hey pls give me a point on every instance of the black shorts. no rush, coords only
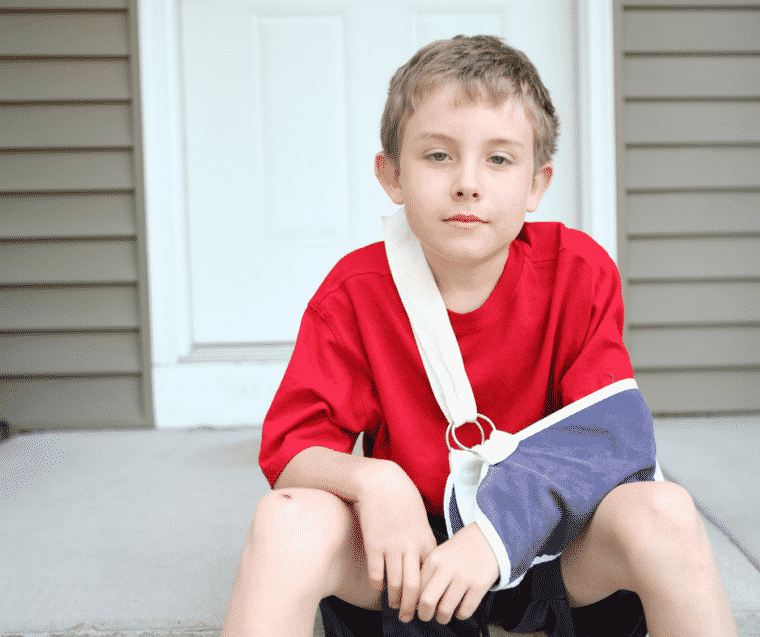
(538, 603)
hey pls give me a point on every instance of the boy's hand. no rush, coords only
(397, 536)
(458, 573)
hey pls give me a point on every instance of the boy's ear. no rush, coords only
(541, 181)
(388, 176)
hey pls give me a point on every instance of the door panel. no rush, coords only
(282, 113)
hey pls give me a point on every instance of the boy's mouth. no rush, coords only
(465, 218)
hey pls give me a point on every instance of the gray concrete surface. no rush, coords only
(121, 531)
(139, 533)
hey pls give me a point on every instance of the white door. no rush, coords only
(270, 180)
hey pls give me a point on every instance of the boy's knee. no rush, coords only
(667, 506)
(672, 506)
(657, 517)
(305, 519)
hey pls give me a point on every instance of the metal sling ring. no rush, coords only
(451, 429)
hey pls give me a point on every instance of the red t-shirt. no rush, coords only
(549, 334)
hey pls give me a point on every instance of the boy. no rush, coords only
(468, 133)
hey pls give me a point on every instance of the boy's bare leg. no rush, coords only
(303, 545)
(648, 537)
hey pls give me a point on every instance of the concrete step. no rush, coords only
(139, 533)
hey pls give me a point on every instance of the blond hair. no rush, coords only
(482, 66)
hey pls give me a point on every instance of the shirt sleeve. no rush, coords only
(326, 396)
(595, 303)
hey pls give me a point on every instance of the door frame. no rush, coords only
(181, 368)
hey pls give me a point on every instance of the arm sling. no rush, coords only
(530, 493)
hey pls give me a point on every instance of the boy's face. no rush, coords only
(466, 178)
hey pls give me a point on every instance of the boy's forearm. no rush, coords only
(343, 474)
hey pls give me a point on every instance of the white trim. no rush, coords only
(596, 97)
(193, 384)
(239, 353)
(214, 394)
(168, 263)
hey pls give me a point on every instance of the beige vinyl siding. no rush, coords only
(688, 91)
(73, 311)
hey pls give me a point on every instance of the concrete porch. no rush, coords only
(139, 533)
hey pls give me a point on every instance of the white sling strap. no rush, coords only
(443, 363)
(431, 327)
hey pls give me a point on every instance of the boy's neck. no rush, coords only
(466, 289)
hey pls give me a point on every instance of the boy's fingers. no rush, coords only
(427, 570)
(449, 602)
(394, 573)
(432, 590)
(469, 604)
(410, 589)
(375, 570)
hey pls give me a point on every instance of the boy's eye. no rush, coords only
(440, 156)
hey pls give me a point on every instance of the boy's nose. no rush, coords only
(465, 184)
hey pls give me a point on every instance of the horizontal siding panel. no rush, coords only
(63, 34)
(669, 168)
(28, 354)
(64, 80)
(68, 262)
(46, 216)
(692, 213)
(691, 31)
(68, 308)
(64, 4)
(694, 258)
(72, 402)
(652, 77)
(699, 302)
(691, 122)
(59, 126)
(695, 347)
(676, 392)
(32, 171)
